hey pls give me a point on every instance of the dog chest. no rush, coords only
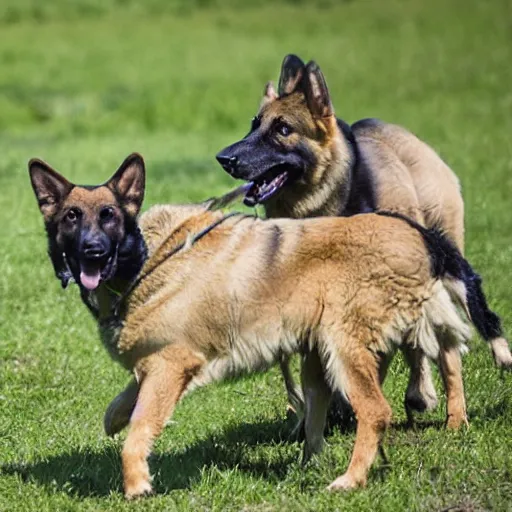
(110, 330)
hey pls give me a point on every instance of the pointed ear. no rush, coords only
(269, 95)
(292, 72)
(317, 94)
(49, 186)
(128, 183)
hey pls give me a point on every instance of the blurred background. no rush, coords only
(84, 83)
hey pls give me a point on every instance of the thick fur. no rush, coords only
(447, 260)
(343, 292)
(336, 169)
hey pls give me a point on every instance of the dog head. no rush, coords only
(291, 140)
(92, 230)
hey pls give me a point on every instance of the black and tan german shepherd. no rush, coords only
(302, 161)
(92, 231)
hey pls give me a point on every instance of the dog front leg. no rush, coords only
(317, 396)
(117, 415)
(163, 379)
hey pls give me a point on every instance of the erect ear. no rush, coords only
(49, 186)
(317, 94)
(292, 71)
(269, 94)
(128, 183)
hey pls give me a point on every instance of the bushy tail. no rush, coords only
(486, 321)
(448, 261)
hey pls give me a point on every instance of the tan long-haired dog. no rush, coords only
(187, 296)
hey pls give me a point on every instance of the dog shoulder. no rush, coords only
(159, 221)
(154, 223)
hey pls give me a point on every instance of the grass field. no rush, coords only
(84, 83)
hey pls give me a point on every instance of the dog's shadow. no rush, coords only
(89, 472)
(97, 472)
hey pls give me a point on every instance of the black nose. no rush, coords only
(229, 163)
(94, 250)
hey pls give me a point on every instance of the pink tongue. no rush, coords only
(90, 278)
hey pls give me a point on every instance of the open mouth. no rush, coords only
(92, 272)
(269, 184)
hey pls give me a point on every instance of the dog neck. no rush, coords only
(169, 223)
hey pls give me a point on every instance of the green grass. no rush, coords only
(82, 84)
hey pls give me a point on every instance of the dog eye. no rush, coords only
(73, 215)
(107, 213)
(284, 129)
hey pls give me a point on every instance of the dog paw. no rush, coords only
(457, 422)
(138, 490)
(345, 482)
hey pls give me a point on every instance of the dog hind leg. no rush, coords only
(450, 366)
(372, 411)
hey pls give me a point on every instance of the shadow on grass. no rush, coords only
(87, 473)
(418, 426)
(489, 412)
